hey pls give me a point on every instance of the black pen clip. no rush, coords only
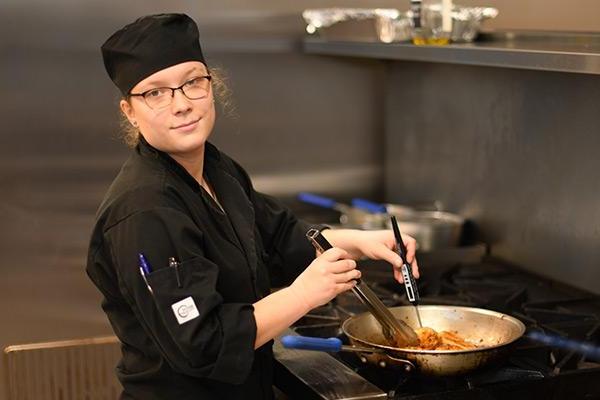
(174, 264)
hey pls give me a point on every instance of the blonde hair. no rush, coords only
(222, 95)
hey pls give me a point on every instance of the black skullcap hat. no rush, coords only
(148, 45)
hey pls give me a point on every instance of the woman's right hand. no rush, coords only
(328, 275)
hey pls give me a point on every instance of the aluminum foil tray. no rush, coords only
(387, 25)
(354, 24)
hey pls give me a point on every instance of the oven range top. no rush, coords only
(464, 277)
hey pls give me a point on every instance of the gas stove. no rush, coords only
(467, 278)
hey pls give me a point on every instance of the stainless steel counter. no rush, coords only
(578, 53)
(305, 374)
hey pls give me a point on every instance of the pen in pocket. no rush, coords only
(174, 264)
(144, 269)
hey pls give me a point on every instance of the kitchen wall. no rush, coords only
(291, 111)
(60, 108)
(514, 151)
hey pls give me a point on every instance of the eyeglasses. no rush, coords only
(161, 97)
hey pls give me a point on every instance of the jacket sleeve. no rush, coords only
(283, 234)
(210, 339)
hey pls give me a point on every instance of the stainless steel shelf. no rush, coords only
(576, 53)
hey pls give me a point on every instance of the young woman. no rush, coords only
(185, 251)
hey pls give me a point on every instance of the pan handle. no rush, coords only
(317, 200)
(590, 350)
(331, 345)
(334, 345)
(408, 366)
(311, 343)
(370, 206)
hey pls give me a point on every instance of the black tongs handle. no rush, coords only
(410, 284)
(318, 240)
(320, 243)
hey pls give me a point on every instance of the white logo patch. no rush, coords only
(185, 310)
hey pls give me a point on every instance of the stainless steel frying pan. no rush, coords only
(491, 331)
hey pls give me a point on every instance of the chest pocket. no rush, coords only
(194, 278)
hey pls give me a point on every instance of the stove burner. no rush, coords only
(534, 370)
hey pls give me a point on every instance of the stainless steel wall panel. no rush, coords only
(515, 151)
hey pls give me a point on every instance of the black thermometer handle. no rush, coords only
(410, 285)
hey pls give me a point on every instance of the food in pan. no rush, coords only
(429, 339)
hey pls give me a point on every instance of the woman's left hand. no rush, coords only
(376, 245)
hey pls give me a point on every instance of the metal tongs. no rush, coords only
(410, 285)
(397, 332)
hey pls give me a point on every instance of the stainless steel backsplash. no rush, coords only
(515, 151)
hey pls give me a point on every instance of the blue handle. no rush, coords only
(370, 206)
(311, 343)
(590, 350)
(317, 200)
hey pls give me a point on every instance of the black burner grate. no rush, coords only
(533, 370)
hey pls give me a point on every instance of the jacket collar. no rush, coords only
(211, 156)
(239, 212)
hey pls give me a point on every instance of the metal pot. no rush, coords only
(431, 229)
(492, 331)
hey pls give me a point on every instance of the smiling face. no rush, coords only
(182, 127)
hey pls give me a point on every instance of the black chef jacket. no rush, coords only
(227, 261)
